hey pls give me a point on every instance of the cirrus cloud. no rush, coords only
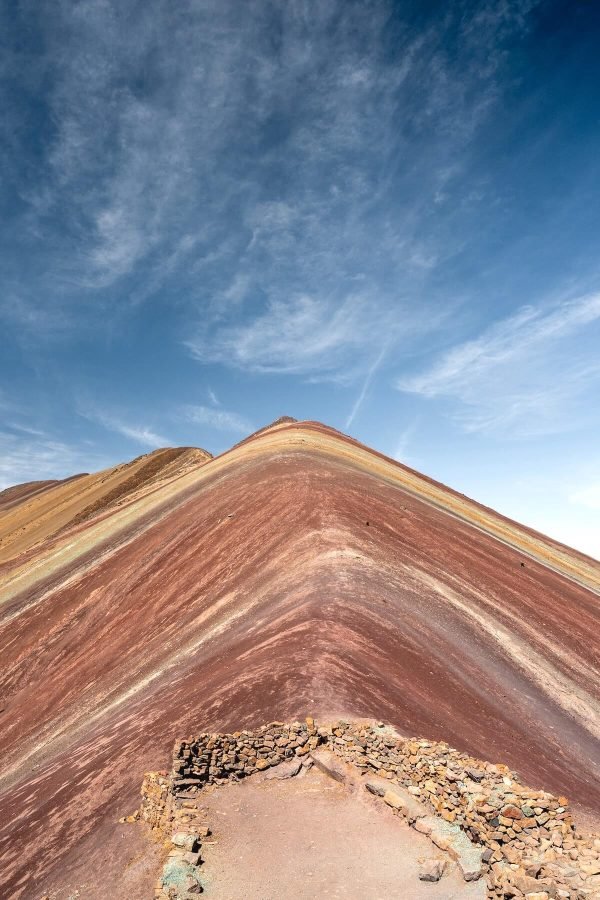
(531, 373)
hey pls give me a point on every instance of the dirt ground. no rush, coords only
(311, 837)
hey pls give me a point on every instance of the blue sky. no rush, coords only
(385, 216)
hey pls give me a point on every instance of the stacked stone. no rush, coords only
(214, 758)
(172, 803)
(156, 802)
(531, 845)
(180, 877)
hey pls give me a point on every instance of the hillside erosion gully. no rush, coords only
(515, 841)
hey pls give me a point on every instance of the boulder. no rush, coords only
(184, 840)
(329, 764)
(392, 799)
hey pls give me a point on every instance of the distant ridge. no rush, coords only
(36, 511)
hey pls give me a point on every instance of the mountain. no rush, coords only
(298, 573)
(33, 512)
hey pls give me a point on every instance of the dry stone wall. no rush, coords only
(212, 758)
(523, 841)
(157, 802)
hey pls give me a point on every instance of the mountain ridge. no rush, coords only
(297, 573)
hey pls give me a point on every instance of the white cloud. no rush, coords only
(26, 429)
(141, 434)
(524, 374)
(314, 336)
(334, 262)
(236, 292)
(213, 397)
(220, 419)
(304, 334)
(273, 149)
(404, 439)
(522, 333)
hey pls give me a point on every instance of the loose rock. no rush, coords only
(431, 870)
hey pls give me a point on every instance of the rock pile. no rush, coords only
(527, 844)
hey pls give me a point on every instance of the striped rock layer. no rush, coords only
(299, 573)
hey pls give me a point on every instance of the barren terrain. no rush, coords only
(299, 573)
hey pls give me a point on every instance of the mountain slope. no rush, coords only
(298, 573)
(33, 512)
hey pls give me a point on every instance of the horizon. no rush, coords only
(381, 216)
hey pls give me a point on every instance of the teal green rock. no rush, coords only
(176, 873)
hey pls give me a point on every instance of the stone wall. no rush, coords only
(212, 758)
(529, 840)
(157, 802)
(527, 843)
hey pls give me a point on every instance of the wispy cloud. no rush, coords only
(365, 386)
(527, 374)
(219, 419)
(520, 334)
(213, 397)
(336, 261)
(134, 431)
(26, 429)
(248, 156)
(300, 335)
(141, 434)
(404, 439)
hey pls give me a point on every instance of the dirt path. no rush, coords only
(310, 837)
